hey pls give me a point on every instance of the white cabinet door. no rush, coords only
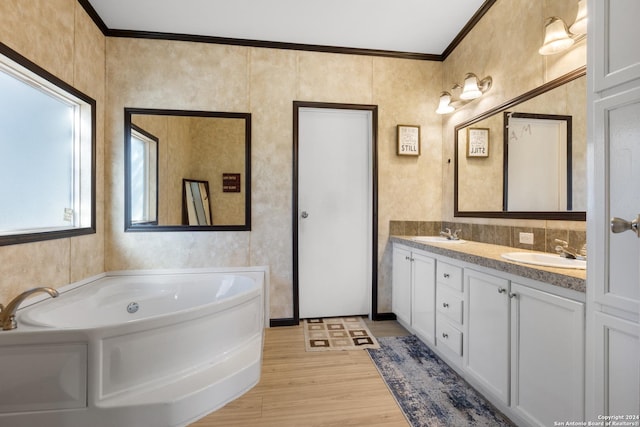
(614, 38)
(401, 287)
(423, 316)
(617, 366)
(547, 356)
(486, 350)
(617, 123)
(613, 278)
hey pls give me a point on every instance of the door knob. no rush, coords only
(304, 214)
(618, 225)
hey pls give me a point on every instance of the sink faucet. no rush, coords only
(564, 250)
(8, 313)
(449, 235)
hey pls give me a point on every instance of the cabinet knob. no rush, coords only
(445, 305)
(501, 290)
(513, 295)
(445, 335)
(446, 275)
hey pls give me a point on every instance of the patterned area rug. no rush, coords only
(429, 392)
(338, 333)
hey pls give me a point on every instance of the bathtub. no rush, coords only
(138, 348)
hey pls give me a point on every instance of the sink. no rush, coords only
(435, 239)
(545, 260)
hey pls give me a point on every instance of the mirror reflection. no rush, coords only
(196, 209)
(168, 152)
(547, 129)
(531, 140)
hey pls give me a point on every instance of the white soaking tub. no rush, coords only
(134, 348)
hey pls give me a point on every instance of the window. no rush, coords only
(46, 154)
(144, 177)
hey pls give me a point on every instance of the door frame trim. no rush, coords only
(297, 105)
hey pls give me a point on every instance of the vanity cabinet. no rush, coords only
(486, 359)
(423, 316)
(413, 291)
(401, 288)
(449, 311)
(525, 348)
(547, 356)
(520, 342)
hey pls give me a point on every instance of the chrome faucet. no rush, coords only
(8, 313)
(564, 250)
(449, 235)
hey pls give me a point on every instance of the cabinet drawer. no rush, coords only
(449, 275)
(449, 304)
(448, 336)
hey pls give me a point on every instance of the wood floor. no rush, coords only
(301, 389)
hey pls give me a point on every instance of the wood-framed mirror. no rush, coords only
(194, 146)
(481, 183)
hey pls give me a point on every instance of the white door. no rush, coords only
(334, 211)
(613, 275)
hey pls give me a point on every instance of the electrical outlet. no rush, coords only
(526, 238)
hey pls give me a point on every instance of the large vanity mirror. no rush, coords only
(527, 157)
(187, 170)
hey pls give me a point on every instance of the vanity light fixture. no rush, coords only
(472, 88)
(445, 107)
(557, 37)
(580, 24)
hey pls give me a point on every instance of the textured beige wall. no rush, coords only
(59, 37)
(265, 82)
(218, 147)
(505, 45)
(480, 185)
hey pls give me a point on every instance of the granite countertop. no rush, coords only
(488, 255)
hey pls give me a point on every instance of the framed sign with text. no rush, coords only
(408, 140)
(477, 142)
(231, 183)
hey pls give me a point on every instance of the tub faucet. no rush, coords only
(8, 313)
(564, 250)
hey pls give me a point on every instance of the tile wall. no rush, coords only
(504, 235)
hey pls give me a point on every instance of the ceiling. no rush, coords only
(410, 26)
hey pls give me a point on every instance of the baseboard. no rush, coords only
(288, 321)
(383, 316)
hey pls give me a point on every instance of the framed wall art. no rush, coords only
(408, 140)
